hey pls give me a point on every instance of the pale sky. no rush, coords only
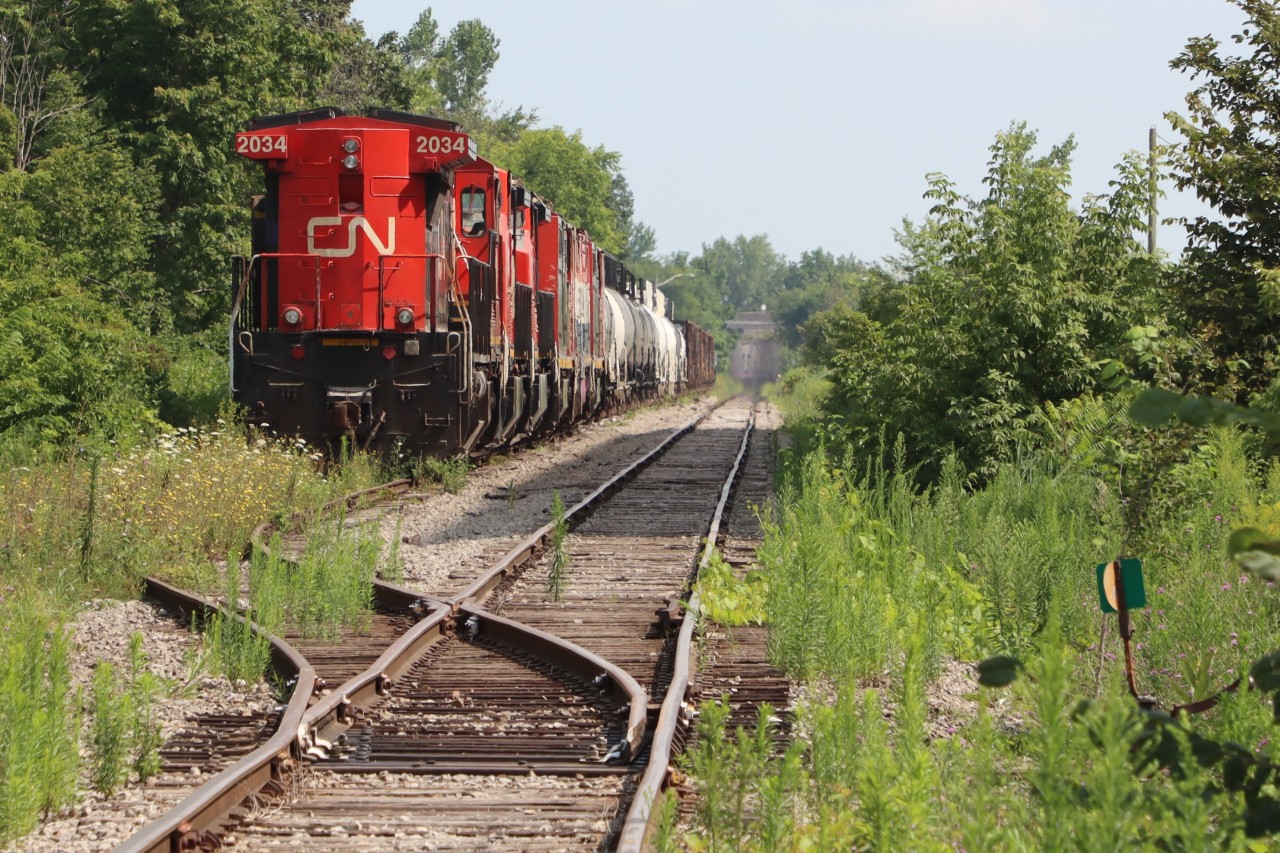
(816, 121)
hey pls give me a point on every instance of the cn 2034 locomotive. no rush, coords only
(403, 291)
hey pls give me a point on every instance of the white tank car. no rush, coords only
(668, 343)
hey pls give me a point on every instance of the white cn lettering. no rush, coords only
(387, 248)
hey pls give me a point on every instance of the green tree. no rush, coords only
(97, 214)
(368, 75)
(176, 80)
(462, 68)
(818, 282)
(1229, 159)
(747, 270)
(577, 180)
(1007, 302)
(447, 77)
(35, 86)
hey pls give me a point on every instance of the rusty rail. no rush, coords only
(312, 731)
(638, 826)
(490, 580)
(208, 805)
(577, 660)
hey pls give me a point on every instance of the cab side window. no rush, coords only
(473, 224)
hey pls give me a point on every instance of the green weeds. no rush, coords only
(873, 587)
(322, 592)
(83, 526)
(39, 756)
(144, 732)
(728, 599)
(110, 737)
(450, 474)
(558, 568)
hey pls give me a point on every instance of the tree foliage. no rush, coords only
(1006, 302)
(747, 270)
(1229, 159)
(579, 181)
(175, 81)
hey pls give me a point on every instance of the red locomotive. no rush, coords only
(403, 291)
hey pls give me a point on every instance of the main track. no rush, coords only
(505, 717)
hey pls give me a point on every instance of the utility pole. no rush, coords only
(1154, 189)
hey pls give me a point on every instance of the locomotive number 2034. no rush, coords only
(442, 145)
(246, 144)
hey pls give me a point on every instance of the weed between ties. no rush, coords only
(558, 568)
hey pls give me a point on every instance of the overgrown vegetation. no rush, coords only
(558, 562)
(1000, 361)
(450, 474)
(39, 717)
(874, 588)
(78, 525)
(102, 521)
(728, 599)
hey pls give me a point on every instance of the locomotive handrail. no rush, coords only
(237, 305)
(465, 392)
(248, 277)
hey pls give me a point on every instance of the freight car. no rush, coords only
(404, 292)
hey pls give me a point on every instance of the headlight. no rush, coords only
(351, 161)
(405, 316)
(292, 316)
(351, 146)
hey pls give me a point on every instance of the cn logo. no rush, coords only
(387, 248)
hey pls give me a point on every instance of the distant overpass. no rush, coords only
(757, 356)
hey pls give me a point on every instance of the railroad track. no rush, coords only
(503, 717)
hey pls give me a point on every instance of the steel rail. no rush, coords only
(605, 676)
(204, 808)
(326, 720)
(337, 712)
(484, 586)
(311, 731)
(638, 825)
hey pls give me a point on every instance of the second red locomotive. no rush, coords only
(403, 291)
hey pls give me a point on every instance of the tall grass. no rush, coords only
(449, 474)
(327, 589)
(240, 653)
(872, 581)
(866, 776)
(99, 523)
(87, 523)
(331, 587)
(39, 756)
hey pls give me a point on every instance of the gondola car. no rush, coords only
(404, 292)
